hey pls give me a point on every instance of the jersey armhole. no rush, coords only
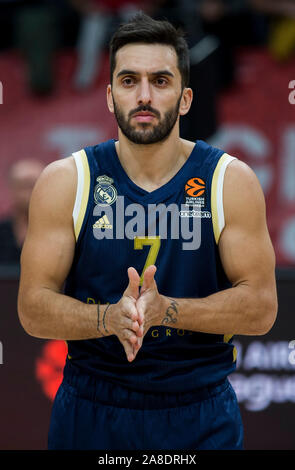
(82, 193)
(217, 209)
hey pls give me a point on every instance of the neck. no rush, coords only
(151, 166)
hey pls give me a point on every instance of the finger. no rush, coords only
(130, 311)
(140, 307)
(139, 332)
(132, 289)
(129, 336)
(137, 347)
(129, 350)
(132, 325)
(139, 342)
(148, 278)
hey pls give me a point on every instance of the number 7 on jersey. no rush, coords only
(155, 243)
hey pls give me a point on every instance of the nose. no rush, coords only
(144, 92)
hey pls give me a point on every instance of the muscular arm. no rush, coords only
(249, 307)
(47, 256)
(46, 259)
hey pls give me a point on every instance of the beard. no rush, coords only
(148, 132)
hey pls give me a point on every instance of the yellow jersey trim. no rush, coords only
(217, 195)
(226, 339)
(83, 188)
(217, 210)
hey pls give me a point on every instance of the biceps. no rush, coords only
(245, 247)
(47, 257)
(48, 251)
(247, 256)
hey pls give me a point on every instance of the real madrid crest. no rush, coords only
(104, 191)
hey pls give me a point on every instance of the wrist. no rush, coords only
(103, 317)
(169, 312)
(164, 306)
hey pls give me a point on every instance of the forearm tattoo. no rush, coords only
(171, 314)
(104, 318)
(103, 321)
(98, 319)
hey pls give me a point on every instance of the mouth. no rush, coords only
(144, 116)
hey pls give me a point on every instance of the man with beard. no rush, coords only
(148, 317)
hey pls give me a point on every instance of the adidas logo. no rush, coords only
(103, 222)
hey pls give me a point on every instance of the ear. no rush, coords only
(110, 102)
(186, 101)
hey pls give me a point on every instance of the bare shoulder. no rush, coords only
(55, 189)
(239, 172)
(60, 171)
(242, 193)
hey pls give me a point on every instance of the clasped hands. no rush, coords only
(137, 310)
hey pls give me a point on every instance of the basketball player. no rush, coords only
(147, 254)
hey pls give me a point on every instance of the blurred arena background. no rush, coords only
(53, 77)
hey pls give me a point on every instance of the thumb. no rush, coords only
(132, 289)
(148, 278)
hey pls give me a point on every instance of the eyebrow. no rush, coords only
(157, 73)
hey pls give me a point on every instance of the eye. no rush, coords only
(128, 81)
(161, 81)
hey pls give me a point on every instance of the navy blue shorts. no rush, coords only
(89, 414)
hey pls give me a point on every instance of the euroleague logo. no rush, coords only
(195, 187)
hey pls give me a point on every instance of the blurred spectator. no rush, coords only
(66, 21)
(282, 28)
(40, 28)
(36, 35)
(21, 179)
(99, 17)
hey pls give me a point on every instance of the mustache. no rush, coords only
(145, 108)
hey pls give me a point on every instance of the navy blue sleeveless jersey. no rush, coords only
(177, 228)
